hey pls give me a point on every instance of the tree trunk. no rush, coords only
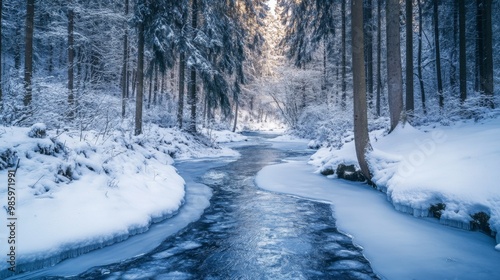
(410, 107)
(369, 50)
(379, 54)
(236, 115)
(394, 75)
(124, 81)
(180, 108)
(487, 79)
(453, 52)
(140, 79)
(420, 77)
(438, 55)
(155, 87)
(28, 52)
(192, 84)
(343, 66)
(479, 45)
(71, 55)
(361, 139)
(463, 54)
(1, 53)
(150, 89)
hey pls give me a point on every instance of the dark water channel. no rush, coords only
(248, 233)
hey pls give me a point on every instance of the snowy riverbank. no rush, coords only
(397, 245)
(77, 192)
(448, 172)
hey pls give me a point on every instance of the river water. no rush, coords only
(248, 233)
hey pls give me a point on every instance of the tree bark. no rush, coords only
(124, 81)
(361, 139)
(140, 80)
(1, 52)
(463, 54)
(192, 82)
(71, 56)
(369, 50)
(180, 108)
(479, 45)
(343, 66)
(379, 54)
(28, 52)
(394, 72)
(420, 77)
(487, 79)
(438, 55)
(410, 107)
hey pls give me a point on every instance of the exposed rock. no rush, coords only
(436, 210)
(481, 222)
(349, 172)
(325, 171)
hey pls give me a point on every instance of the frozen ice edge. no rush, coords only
(423, 213)
(75, 251)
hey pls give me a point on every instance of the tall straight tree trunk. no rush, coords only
(368, 25)
(438, 55)
(479, 45)
(140, 79)
(379, 54)
(453, 52)
(361, 139)
(1, 52)
(124, 81)
(343, 98)
(150, 89)
(487, 79)
(155, 87)
(28, 52)
(71, 56)
(463, 54)
(419, 59)
(192, 82)
(410, 107)
(394, 72)
(180, 108)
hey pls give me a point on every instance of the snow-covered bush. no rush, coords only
(38, 130)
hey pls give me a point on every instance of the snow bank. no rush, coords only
(223, 136)
(451, 167)
(80, 191)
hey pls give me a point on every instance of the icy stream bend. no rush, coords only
(248, 233)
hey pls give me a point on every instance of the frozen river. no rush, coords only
(248, 233)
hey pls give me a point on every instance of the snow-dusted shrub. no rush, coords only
(38, 130)
(8, 158)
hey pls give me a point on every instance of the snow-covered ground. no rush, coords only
(451, 166)
(80, 191)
